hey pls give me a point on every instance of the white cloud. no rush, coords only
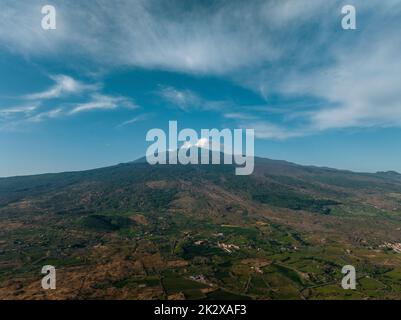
(201, 38)
(37, 110)
(267, 130)
(21, 121)
(51, 114)
(64, 85)
(18, 110)
(362, 88)
(103, 102)
(187, 100)
(239, 116)
(295, 48)
(136, 119)
(183, 99)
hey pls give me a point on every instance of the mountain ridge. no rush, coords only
(199, 231)
(257, 159)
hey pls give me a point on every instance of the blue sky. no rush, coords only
(84, 95)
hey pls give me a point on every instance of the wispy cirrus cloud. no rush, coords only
(51, 114)
(20, 109)
(361, 90)
(268, 130)
(288, 48)
(53, 103)
(183, 99)
(188, 100)
(64, 85)
(146, 33)
(136, 119)
(239, 116)
(103, 102)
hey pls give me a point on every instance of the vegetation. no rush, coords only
(135, 231)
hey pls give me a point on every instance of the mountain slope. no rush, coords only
(198, 231)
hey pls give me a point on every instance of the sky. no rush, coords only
(84, 95)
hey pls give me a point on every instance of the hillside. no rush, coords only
(135, 231)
